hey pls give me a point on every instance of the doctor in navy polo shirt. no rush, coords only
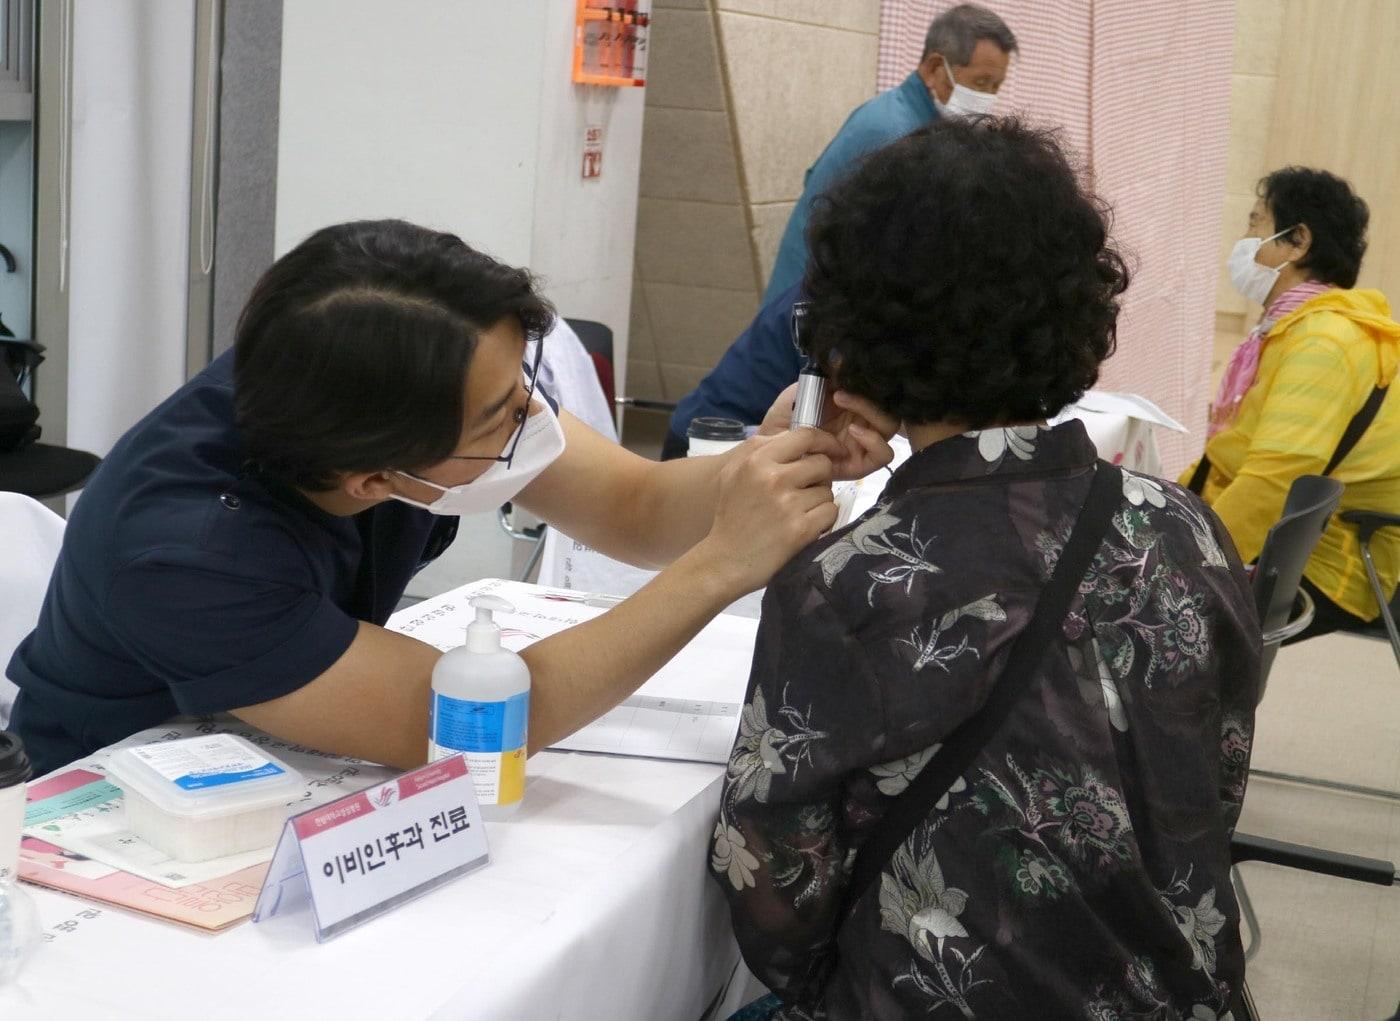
(243, 545)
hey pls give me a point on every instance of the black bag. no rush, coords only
(18, 414)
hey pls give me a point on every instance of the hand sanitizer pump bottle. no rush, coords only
(481, 708)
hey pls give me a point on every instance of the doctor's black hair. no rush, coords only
(352, 352)
(963, 274)
(1336, 216)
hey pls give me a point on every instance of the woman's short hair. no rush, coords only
(352, 352)
(964, 274)
(1336, 216)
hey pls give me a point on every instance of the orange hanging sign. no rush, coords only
(610, 42)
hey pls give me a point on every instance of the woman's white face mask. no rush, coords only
(1248, 277)
(541, 443)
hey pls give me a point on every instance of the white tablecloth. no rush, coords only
(596, 905)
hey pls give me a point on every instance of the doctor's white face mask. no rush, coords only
(541, 442)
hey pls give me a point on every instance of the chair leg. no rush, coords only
(534, 560)
(1251, 920)
(1394, 634)
(1244, 1009)
(1331, 785)
(1381, 599)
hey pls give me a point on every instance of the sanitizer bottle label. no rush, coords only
(492, 736)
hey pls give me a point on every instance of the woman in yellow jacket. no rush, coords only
(1318, 354)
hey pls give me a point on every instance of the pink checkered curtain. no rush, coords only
(1141, 90)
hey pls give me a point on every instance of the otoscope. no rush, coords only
(808, 408)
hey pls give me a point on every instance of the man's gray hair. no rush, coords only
(956, 32)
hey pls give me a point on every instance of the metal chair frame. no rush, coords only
(1368, 523)
(1308, 859)
(1245, 847)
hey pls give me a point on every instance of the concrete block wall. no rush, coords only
(742, 97)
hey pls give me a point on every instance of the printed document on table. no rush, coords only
(688, 710)
(566, 563)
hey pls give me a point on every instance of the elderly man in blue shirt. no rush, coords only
(966, 55)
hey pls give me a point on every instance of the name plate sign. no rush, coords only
(367, 853)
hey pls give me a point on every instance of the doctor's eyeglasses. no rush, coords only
(533, 370)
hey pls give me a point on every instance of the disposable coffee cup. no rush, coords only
(14, 773)
(709, 435)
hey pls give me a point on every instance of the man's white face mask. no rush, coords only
(964, 102)
(540, 444)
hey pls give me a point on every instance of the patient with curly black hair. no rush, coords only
(998, 728)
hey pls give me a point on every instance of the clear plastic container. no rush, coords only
(205, 797)
(20, 930)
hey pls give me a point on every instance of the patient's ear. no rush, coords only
(1301, 240)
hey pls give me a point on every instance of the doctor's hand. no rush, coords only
(861, 430)
(774, 499)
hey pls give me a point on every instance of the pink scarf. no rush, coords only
(1244, 363)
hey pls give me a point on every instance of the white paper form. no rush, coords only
(566, 563)
(1109, 402)
(688, 710)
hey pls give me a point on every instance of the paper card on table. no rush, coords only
(68, 794)
(209, 906)
(365, 854)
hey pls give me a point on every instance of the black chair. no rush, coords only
(597, 340)
(1286, 610)
(1311, 501)
(1368, 523)
(531, 533)
(44, 471)
(38, 470)
(1309, 859)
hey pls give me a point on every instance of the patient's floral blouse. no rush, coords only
(1080, 867)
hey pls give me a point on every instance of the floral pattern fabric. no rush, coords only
(1080, 866)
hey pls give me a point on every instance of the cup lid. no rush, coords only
(710, 428)
(14, 763)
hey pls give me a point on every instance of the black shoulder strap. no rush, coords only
(913, 806)
(1359, 423)
(1197, 484)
